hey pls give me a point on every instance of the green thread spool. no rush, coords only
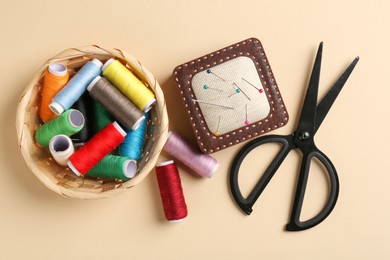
(114, 167)
(68, 123)
(102, 116)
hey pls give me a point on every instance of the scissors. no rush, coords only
(302, 139)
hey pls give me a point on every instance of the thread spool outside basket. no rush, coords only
(60, 179)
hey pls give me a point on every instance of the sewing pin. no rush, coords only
(217, 132)
(210, 72)
(240, 90)
(246, 115)
(206, 87)
(212, 104)
(235, 92)
(258, 89)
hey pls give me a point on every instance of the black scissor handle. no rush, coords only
(295, 224)
(246, 203)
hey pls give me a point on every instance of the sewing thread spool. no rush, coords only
(68, 123)
(85, 104)
(132, 146)
(75, 87)
(171, 191)
(129, 84)
(106, 140)
(61, 148)
(102, 116)
(198, 162)
(114, 167)
(116, 103)
(55, 78)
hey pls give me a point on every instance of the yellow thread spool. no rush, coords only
(56, 77)
(129, 84)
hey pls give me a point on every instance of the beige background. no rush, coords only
(36, 223)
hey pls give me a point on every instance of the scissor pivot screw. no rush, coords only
(304, 135)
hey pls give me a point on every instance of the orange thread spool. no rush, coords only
(56, 76)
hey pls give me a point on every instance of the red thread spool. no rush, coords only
(171, 191)
(96, 148)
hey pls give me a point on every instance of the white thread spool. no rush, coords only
(130, 168)
(61, 148)
(58, 69)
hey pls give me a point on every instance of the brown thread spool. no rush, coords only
(116, 103)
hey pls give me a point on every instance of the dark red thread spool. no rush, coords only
(171, 191)
(96, 148)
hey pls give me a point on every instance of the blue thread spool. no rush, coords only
(132, 145)
(73, 90)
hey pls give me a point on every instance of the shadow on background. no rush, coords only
(178, 118)
(14, 167)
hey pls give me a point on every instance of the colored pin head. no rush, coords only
(212, 73)
(206, 87)
(258, 89)
(239, 90)
(246, 122)
(217, 131)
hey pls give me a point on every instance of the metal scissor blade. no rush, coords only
(328, 100)
(308, 113)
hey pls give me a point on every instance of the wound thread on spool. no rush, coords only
(122, 78)
(61, 148)
(68, 123)
(101, 144)
(192, 157)
(132, 146)
(55, 78)
(171, 191)
(102, 116)
(85, 104)
(121, 108)
(75, 87)
(114, 167)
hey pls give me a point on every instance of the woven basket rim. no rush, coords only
(86, 53)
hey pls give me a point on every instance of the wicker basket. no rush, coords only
(61, 179)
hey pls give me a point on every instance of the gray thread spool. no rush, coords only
(116, 103)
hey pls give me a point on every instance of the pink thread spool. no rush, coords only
(192, 157)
